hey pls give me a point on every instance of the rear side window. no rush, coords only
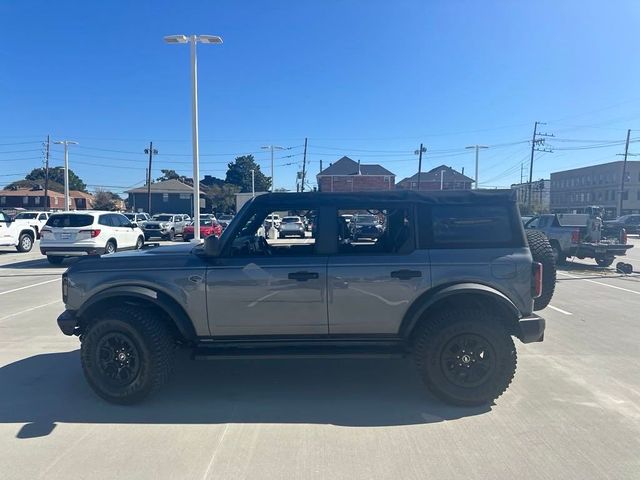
(68, 220)
(105, 220)
(119, 220)
(468, 226)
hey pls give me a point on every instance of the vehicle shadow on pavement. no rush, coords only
(38, 263)
(47, 389)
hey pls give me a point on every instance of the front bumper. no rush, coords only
(531, 329)
(67, 322)
(71, 251)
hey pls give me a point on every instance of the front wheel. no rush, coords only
(126, 354)
(604, 262)
(465, 356)
(25, 243)
(139, 243)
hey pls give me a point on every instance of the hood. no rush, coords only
(166, 256)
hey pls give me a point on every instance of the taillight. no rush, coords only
(46, 233)
(623, 236)
(83, 234)
(537, 279)
(575, 236)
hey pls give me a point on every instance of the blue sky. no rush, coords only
(368, 79)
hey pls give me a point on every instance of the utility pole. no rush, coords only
(151, 151)
(46, 174)
(66, 144)
(304, 165)
(536, 142)
(419, 153)
(477, 149)
(624, 172)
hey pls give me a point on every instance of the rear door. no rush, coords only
(372, 282)
(124, 233)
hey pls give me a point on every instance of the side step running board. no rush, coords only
(221, 352)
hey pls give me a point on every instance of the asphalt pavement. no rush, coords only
(572, 412)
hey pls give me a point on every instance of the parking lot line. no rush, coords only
(29, 310)
(559, 310)
(29, 286)
(600, 283)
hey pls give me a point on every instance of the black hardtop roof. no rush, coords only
(446, 197)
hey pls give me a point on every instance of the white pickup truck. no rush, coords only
(36, 220)
(16, 234)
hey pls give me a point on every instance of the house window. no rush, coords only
(386, 179)
(3, 200)
(185, 196)
(56, 200)
(638, 195)
(625, 195)
(36, 200)
(25, 200)
(414, 184)
(165, 197)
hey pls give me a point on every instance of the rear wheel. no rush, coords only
(604, 262)
(172, 235)
(139, 243)
(465, 356)
(25, 243)
(127, 354)
(110, 247)
(558, 256)
(543, 253)
(53, 260)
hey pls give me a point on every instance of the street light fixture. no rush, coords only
(193, 40)
(66, 144)
(477, 148)
(272, 148)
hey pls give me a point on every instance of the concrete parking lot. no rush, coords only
(572, 412)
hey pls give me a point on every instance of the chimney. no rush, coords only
(320, 166)
(463, 170)
(359, 171)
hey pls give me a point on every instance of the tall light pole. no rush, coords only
(272, 148)
(193, 40)
(477, 148)
(66, 144)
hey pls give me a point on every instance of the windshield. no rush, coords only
(291, 220)
(26, 216)
(130, 216)
(225, 217)
(163, 218)
(365, 219)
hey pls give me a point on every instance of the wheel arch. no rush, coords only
(457, 295)
(176, 317)
(27, 231)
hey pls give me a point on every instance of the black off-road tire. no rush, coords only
(25, 243)
(542, 252)
(152, 344)
(54, 259)
(432, 350)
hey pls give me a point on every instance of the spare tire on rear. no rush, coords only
(542, 252)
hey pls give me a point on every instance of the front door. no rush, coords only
(376, 274)
(267, 286)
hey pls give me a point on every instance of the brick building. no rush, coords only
(575, 190)
(540, 196)
(442, 177)
(347, 175)
(33, 199)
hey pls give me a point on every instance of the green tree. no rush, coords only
(105, 200)
(168, 174)
(56, 175)
(223, 197)
(239, 174)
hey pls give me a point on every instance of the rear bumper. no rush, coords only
(531, 329)
(67, 322)
(71, 251)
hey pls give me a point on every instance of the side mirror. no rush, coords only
(133, 225)
(212, 246)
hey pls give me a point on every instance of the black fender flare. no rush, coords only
(429, 299)
(163, 301)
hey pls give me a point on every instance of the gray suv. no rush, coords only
(165, 226)
(449, 280)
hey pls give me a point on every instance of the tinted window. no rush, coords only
(26, 216)
(62, 220)
(163, 218)
(130, 216)
(119, 220)
(469, 225)
(105, 220)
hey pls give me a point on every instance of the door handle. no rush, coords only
(406, 274)
(303, 276)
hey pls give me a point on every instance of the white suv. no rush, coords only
(74, 234)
